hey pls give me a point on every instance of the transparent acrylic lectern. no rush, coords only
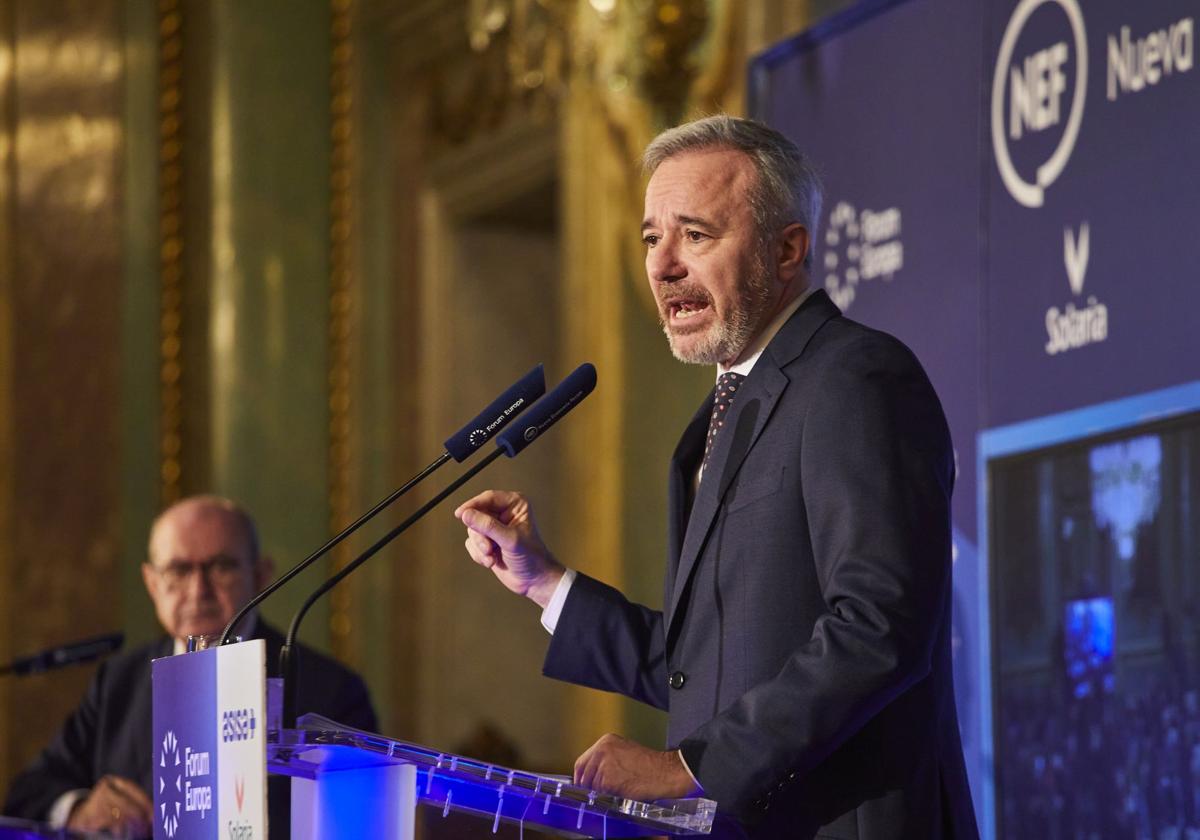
(350, 783)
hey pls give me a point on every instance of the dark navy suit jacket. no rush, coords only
(803, 652)
(110, 731)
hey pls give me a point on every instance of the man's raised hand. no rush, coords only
(502, 536)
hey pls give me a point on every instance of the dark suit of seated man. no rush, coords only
(203, 566)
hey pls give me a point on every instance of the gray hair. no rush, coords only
(788, 189)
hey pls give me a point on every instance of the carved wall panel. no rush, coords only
(61, 77)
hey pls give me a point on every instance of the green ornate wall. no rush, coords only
(227, 246)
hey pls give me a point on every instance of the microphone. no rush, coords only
(497, 415)
(569, 393)
(85, 650)
(459, 446)
(545, 413)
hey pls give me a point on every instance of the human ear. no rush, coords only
(794, 244)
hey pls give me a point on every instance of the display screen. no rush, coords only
(1094, 550)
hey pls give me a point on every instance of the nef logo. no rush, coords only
(1038, 92)
(237, 725)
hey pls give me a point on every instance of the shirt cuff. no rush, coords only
(60, 811)
(554, 609)
(695, 781)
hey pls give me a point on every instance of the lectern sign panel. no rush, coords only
(210, 744)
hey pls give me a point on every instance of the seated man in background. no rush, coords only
(203, 566)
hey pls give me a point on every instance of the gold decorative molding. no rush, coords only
(170, 227)
(10, 724)
(674, 29)
(508, 57)
(341, 302)
(483, 63)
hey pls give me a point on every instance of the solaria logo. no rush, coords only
(1081, 321)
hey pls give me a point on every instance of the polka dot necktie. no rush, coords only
(727, 387)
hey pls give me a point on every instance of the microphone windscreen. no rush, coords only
(89, 649)
(488, 423)
(547, 411)
(84, 650)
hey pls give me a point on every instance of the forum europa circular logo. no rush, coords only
(170, 802)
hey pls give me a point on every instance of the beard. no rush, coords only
(731, 332)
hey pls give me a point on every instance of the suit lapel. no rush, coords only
(684, 463)
(748, 416)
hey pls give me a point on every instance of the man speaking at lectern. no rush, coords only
(803, 648)
(203, 566)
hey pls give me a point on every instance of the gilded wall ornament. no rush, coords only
(170, 226)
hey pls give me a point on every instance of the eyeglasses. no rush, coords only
(221, 570)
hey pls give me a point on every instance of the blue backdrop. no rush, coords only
(1011, 191)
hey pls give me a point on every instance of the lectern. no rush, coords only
(213, 749)
(349, 783)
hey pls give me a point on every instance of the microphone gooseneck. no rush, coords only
(459, 446)
(323, 550)
(287, 659)
(544, 413)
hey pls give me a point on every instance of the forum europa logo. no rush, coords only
(168, 762)
(860, 246)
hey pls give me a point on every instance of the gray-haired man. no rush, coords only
(803, 647)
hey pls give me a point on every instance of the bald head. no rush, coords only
(211, 511)
(203, 565)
